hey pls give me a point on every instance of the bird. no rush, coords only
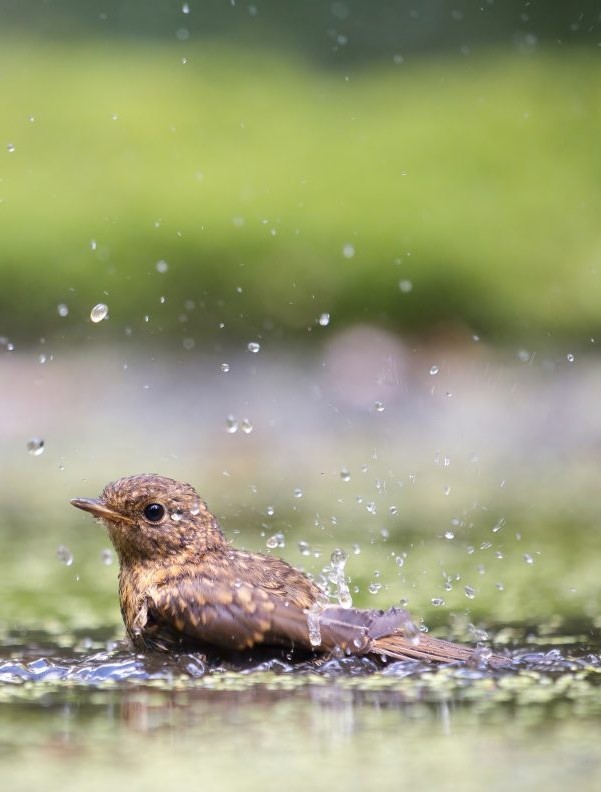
(183, 586)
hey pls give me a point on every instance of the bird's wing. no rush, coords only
(242, 616)
(234, 617)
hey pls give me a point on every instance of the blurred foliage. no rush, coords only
(275, 193)
(333, 33)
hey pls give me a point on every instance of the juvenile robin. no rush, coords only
(183, 586)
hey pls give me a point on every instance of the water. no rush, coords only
(36, 446)
(90, 715)
(99, 312)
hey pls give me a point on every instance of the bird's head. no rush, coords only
(153, 517)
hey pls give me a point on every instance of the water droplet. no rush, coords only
(64, 555)
(570, 357)
(254, 347)
(344, 596)
(345, 475)
(270, 511)
(374, 587)
(42, 358)
(470, 592)
(277, 540)
(176, 515)
(188, 344)
(446, 490)
(338, 558)
(185, 8)
(161, 266)
(437, 602)
(405, 286)
(348, 250)
(523, 355)
(298, 493)
(246, 426)
(106, 556)
(449, 535)
(225, 367)
(10, 147)
(231, 424)
(410, 628)
(399, 561)
(304, 548)
(500, 586)
(313, 624)
(499, 525)
(36, 446)
(528, 558)
(62, 309)
(392, 510)
(434, 370)
(99, 312)
(371, 507)
(324, 319)
(356, 549)
(379, 406)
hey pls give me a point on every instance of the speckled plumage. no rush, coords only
(182, 585)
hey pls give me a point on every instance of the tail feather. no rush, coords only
(432, 650)
(390, 633)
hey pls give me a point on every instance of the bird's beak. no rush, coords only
(98, 509)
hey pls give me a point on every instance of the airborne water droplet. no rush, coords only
(107, 556)
(231, 424)
(246, 426)
(64, 555)
(161, 266)
(63, 310)
(99, 312)
(434, 370)
(470, 592)
(36, 446)
(437, 602)
(405, 286)
(324, 319)
(345, 475)
(298, 493)
(348, 250)
(379, 406)
(225, 367)
(277, 540)
(254, 347)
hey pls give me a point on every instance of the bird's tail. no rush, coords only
(399, 646)
(392, 633)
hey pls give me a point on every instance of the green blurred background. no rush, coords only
(398, 201)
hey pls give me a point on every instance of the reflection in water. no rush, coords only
(71, 714)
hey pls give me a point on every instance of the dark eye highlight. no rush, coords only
(154, 512)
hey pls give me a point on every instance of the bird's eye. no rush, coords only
(154, 512)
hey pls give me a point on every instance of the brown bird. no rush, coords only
(183, 586)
